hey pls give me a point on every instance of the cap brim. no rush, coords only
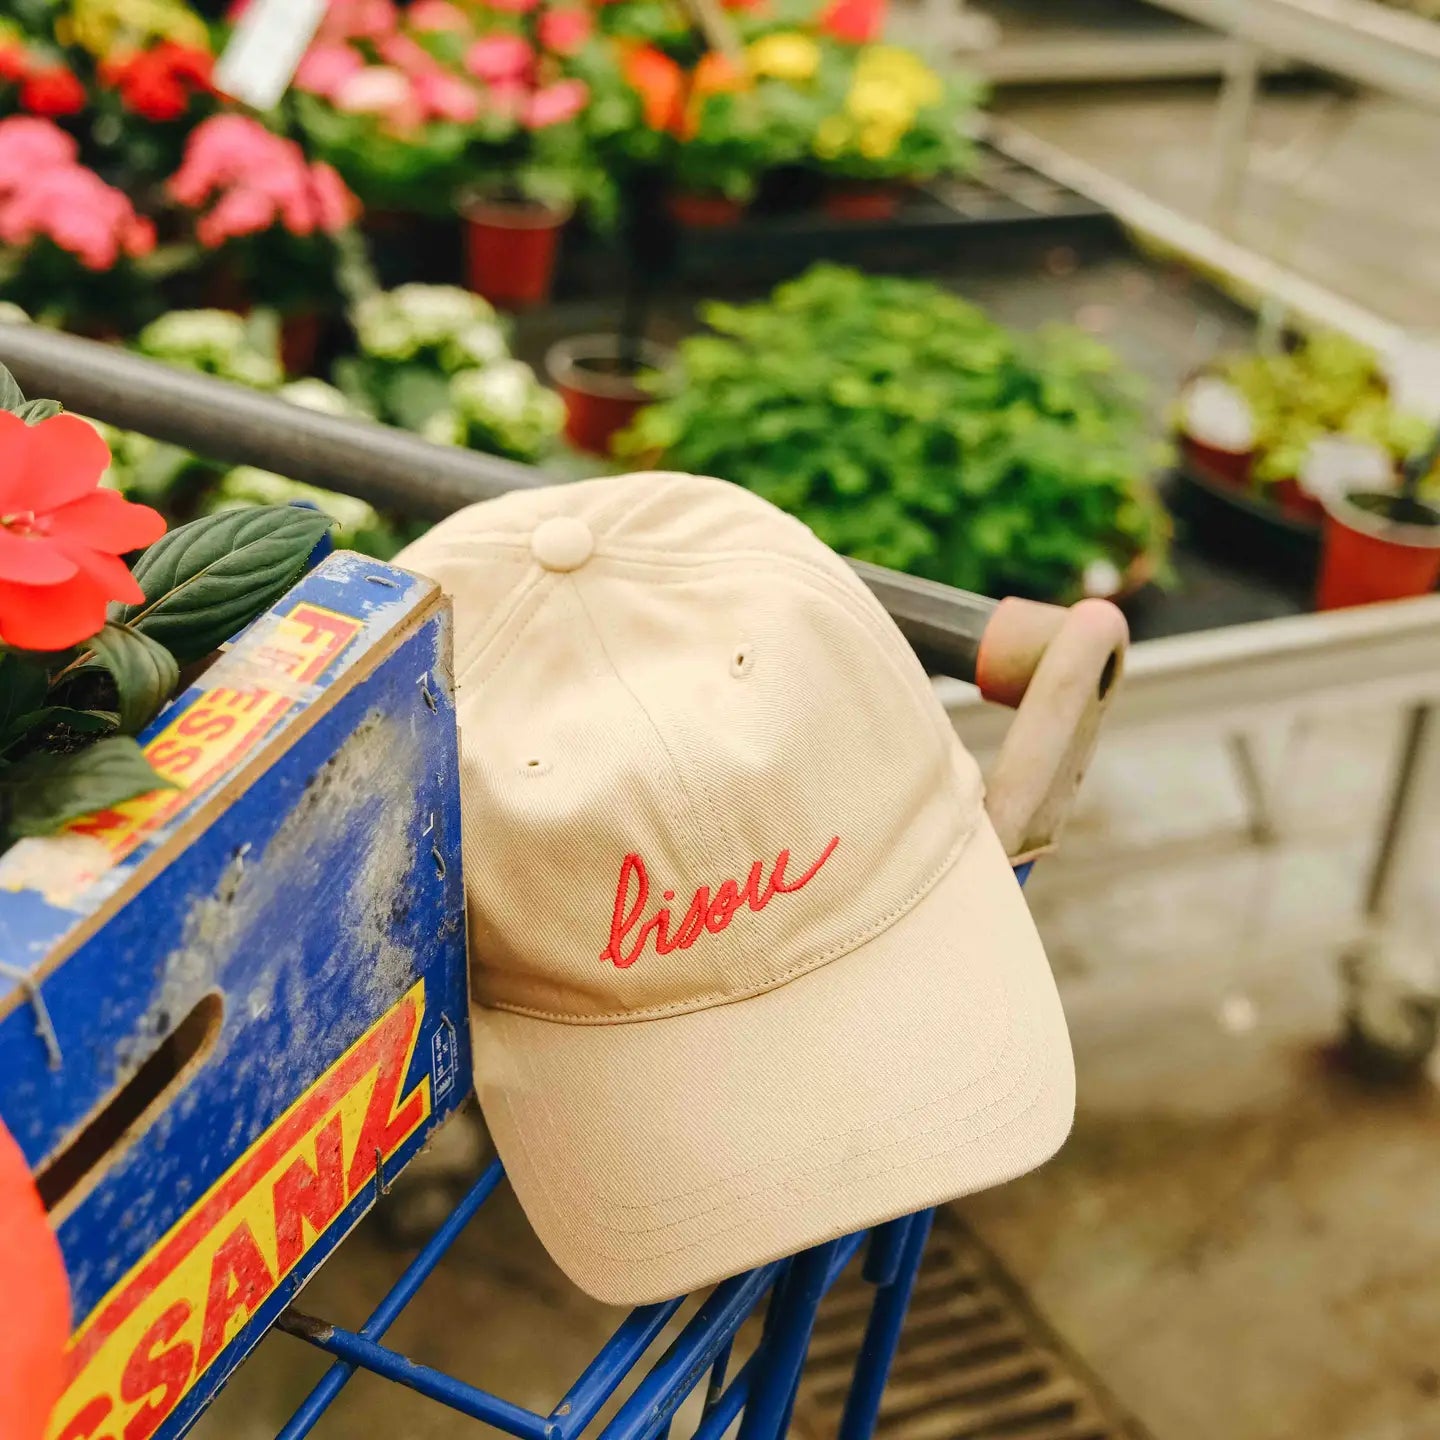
(659, 1156)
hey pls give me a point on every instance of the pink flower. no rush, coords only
(375, 90)
(427, 16)
(225, 149)
(497, 58)
(77, 211)
(445, 97)
(325, 68)
(335, 203)
(406, 54)
(137, 238)
(565, 31)
(28, 144)
(240, 211)
(556, 103)
(359, 20)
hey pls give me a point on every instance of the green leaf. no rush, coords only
(32, 412)
(145, 672)
(206, 580)
(22, 691)
(42, 792)
(12, 397)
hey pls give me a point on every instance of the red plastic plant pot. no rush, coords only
(600, 386)
(699, 210)
(1232, 467)
(1370, 555)
(854, 200)
(300, 342)
(1296, 501)
(510, 250)
(35, 1321)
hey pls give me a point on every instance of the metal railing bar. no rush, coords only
(654, 1401)
(400, 1295)
(390, 468)
(720, 1416)
(223, 421)
(425, 1380)
(602, 1377)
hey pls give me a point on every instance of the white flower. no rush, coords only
(1102, 578)
(443, 428)
(478, 344)
(499, 392)
(1217, 414)
(313, 394)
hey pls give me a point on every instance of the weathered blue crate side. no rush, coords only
(314, 901)
(32, 926)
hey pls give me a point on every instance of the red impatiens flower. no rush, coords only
(61, 536)
(52, 90)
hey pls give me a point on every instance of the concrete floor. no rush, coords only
(1340, 185)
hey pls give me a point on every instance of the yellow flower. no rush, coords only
(873, 101)
(102, 26)
(878, 141)
(832, 136)
(786, 56)
(903, 69)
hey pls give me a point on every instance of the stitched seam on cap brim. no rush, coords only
(845, 1162)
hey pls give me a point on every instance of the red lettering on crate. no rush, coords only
(703, 914)
(144, 1347)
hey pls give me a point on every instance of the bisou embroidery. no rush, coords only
(704, 913)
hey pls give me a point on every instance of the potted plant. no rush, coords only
(736, 124)
(604, 381)
(92, 648)
(907, 428)
(270, 221)
(381, 96)
(1382, 545)
(1285, 412)
(73, 250)
(890, 121)
(434, 359)
(538, 67)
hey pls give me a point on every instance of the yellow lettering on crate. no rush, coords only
(220, 726)
(143, 1348)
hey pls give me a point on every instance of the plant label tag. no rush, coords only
(269, 39)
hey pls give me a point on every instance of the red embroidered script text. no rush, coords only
(705, 913)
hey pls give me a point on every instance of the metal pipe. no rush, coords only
(303, 1421)
(390, 468)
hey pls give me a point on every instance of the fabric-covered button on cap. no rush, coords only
(562, 543)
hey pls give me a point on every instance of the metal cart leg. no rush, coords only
(1232, 132)
(772, 1397)
(892, 1265)
(1392, 1010)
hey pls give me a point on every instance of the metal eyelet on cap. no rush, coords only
(562, 543)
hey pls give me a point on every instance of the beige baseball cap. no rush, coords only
(751, 970)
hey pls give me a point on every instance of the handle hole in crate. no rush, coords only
(70, 1174)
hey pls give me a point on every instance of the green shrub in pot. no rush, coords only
(908, 428)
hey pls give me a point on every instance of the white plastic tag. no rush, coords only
(259, 62)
